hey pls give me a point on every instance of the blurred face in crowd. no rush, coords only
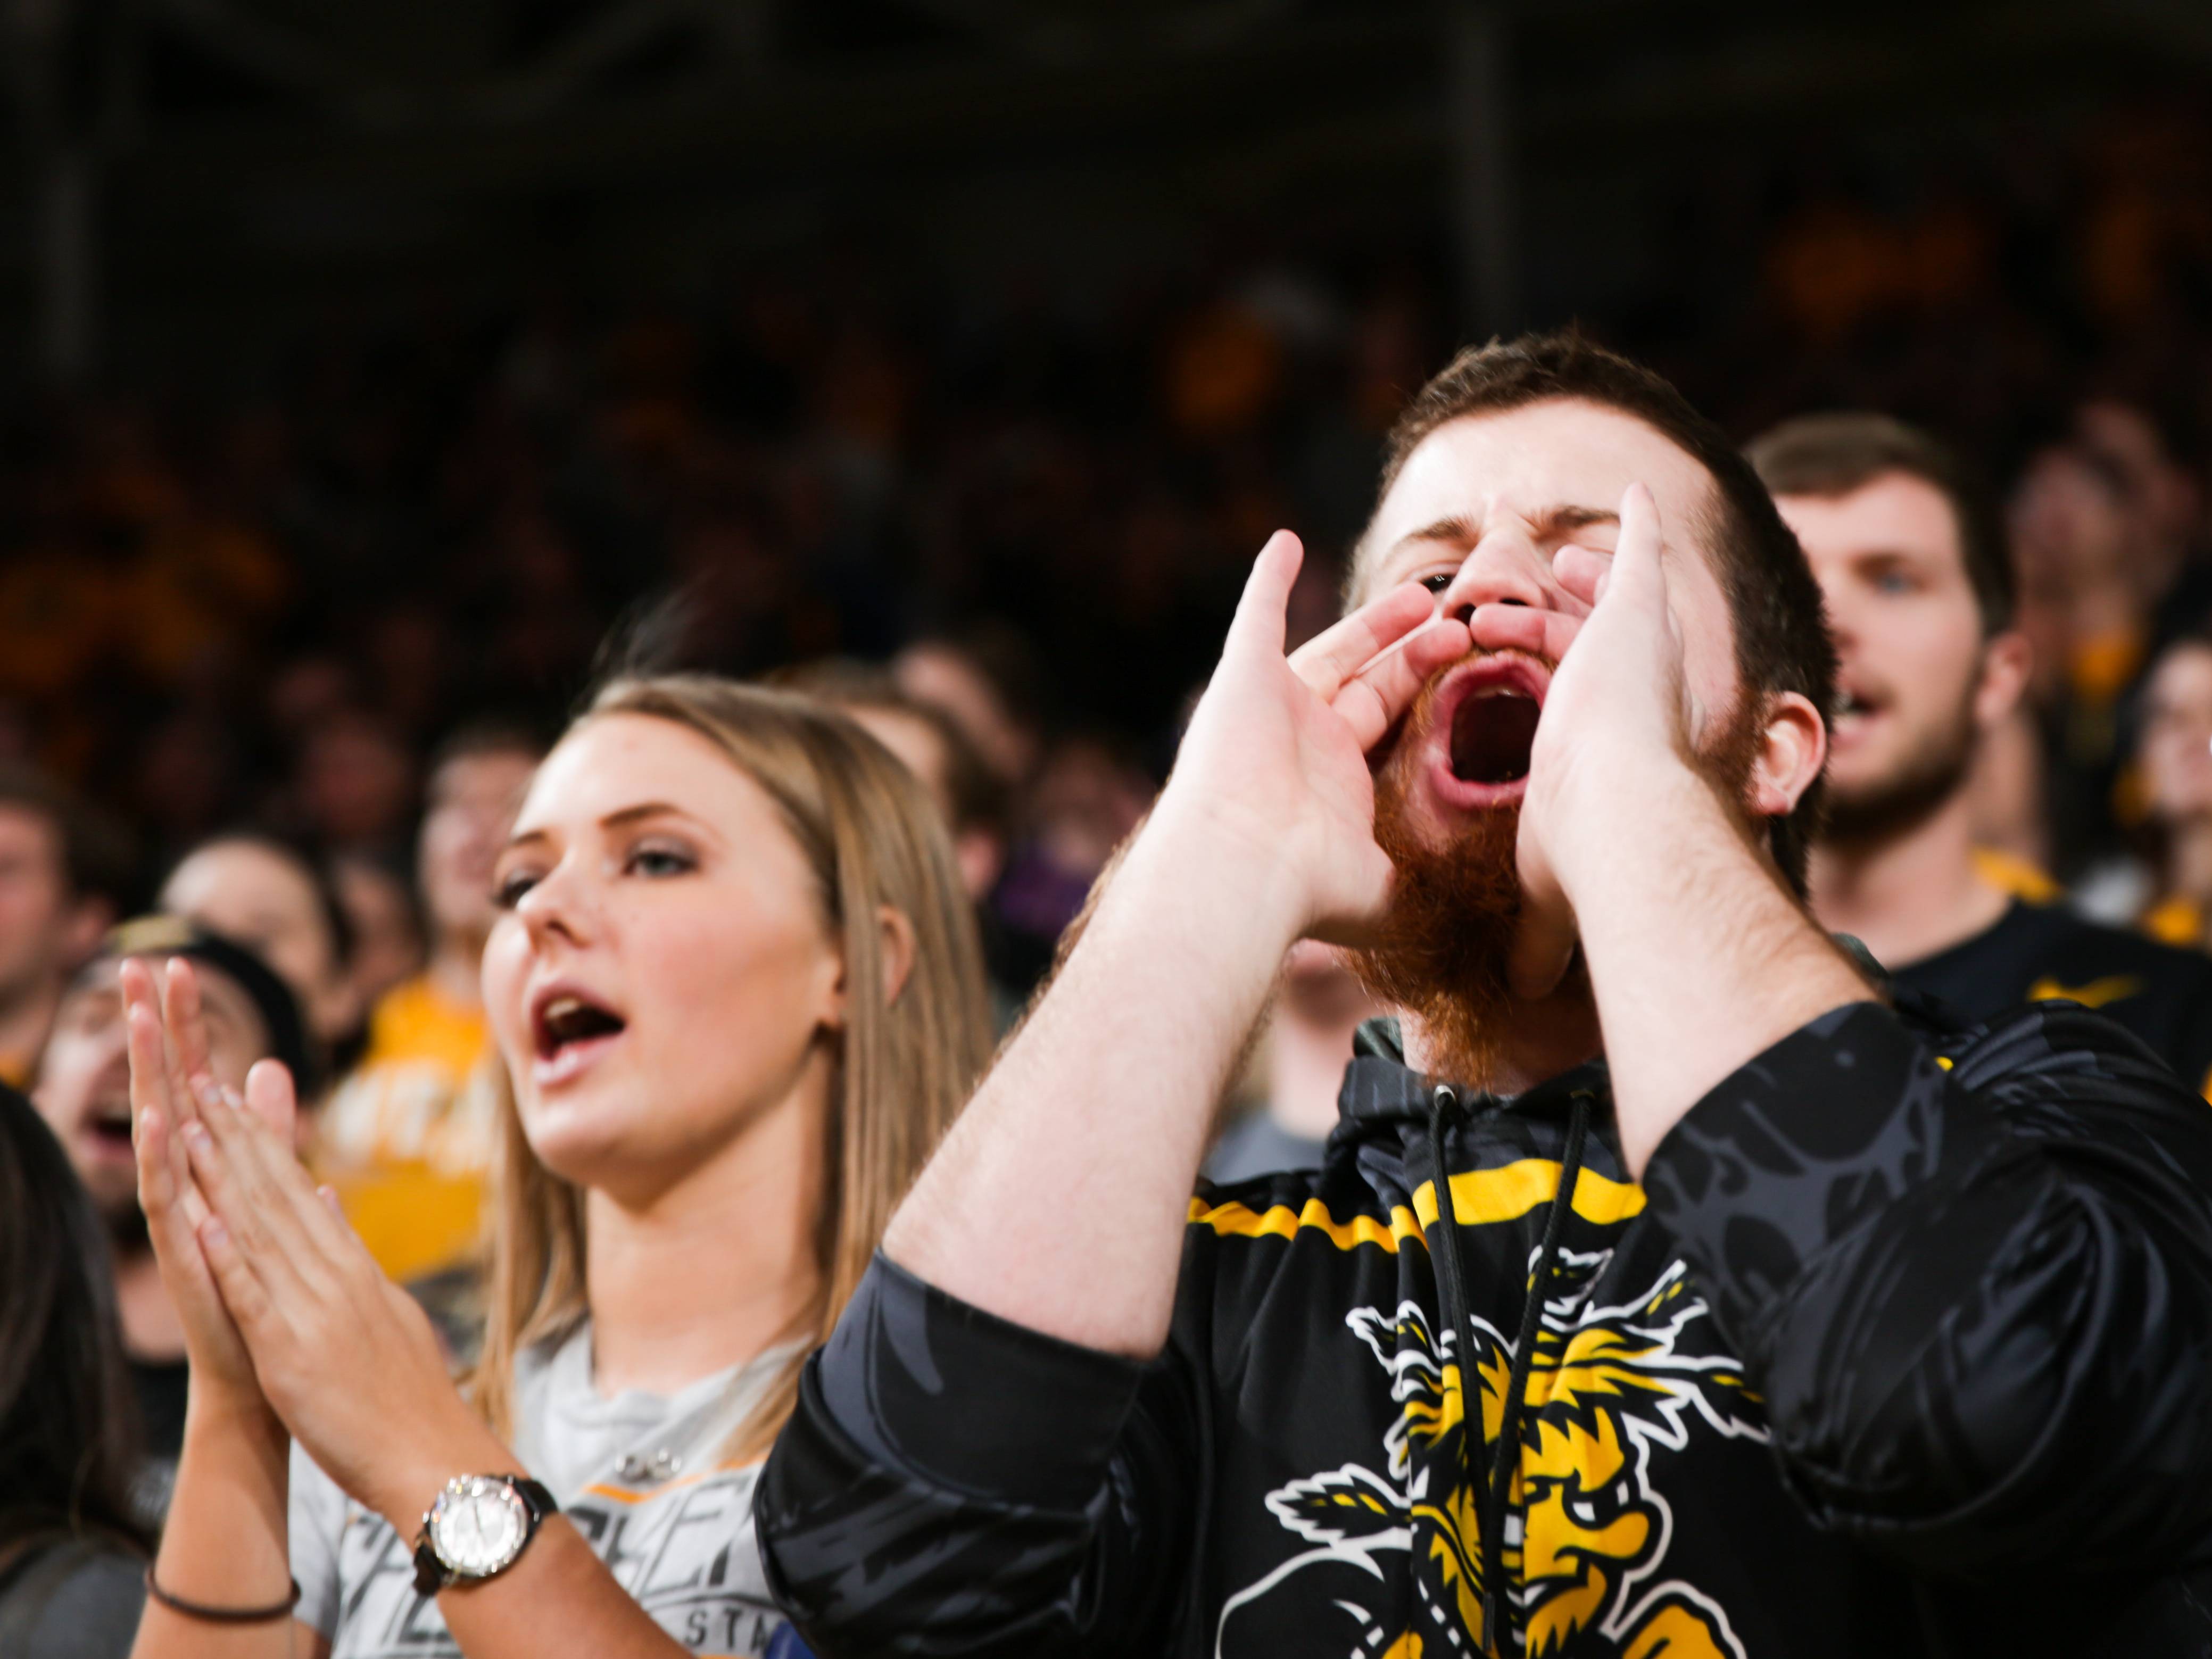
(917, 744)
(387, 937)
(921, 748)
(265, 899)
(83, 1086)
(662, 973)
(472, 802)
(1917, 683)
(2176, 752)
(946, 678)
(355, 780)
(44, 930)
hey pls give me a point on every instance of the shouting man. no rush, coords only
(1665, 1289)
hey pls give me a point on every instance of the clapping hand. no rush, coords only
(278, 1292)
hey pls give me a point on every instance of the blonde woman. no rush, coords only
(739, 993)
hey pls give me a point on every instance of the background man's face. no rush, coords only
(1483, 504)
(83, 1088)
(1909, 645)
(473, 800)
(34, 902)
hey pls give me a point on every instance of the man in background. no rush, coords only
(57, 881)
(1919, 592)
(83, 1090)
(407, 1139)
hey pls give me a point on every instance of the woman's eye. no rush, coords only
(507, 892)
(662, 861)
(1436, 580)
(1894, 582)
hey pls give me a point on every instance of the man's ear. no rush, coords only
(1793, 746)
(896, 944)
(2007, 660)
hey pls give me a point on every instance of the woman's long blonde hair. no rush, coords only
(873, 837)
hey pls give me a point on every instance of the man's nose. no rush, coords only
(1504, 568)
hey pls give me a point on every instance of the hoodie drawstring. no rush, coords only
(1451, 1278)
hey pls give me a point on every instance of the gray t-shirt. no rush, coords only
(75, 1599)
(641, 1477)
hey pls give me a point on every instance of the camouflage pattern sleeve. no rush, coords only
(951, 1483)
(1974, 1288)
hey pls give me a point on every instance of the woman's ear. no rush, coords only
(898, 949)
(1793, 746)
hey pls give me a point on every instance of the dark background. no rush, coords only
(362, 363)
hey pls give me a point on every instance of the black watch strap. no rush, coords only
(431, 1572)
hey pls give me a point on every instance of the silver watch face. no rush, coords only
(478, 1525)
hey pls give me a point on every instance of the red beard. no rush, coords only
(1443, 951)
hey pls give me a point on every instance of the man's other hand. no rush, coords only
(1617, 728)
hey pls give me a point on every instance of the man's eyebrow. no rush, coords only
(1558, 520)
(1552, 521)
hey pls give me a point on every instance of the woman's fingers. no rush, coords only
(151, 1097)
(271, 1098)
(187, 1028)
(252, 1308)
(262, 1226)
(257, 1187)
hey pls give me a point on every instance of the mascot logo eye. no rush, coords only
(1599, 1509)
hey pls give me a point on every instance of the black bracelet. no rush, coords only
(221, 1615)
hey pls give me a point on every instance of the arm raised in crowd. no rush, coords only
(1057, 1201)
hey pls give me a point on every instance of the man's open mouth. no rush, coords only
(1492, 732)
(109, 1125)
(1486, 715)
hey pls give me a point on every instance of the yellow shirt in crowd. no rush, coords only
(407, 1139)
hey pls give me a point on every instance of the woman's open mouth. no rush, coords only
(569, 1029)
(1485, 726)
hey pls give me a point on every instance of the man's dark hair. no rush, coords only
(312, 869)
(68, 1447)
(97, 858)
(1782, 640)
(1832, 455)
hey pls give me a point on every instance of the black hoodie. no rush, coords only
(1903, 1347)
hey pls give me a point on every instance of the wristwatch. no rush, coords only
(476, 1528)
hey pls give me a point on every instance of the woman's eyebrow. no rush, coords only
(651, 809)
